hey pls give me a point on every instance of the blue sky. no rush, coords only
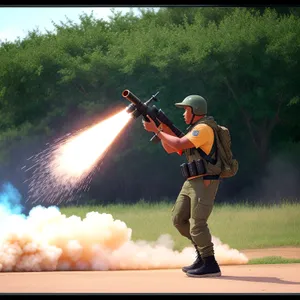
(17, 21)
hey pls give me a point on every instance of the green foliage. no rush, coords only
(244, 61)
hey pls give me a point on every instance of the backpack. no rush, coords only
(229, 165)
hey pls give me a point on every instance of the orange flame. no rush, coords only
(78, 155)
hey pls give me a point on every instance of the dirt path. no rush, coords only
(275, 278)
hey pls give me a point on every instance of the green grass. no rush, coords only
(239, 226)
(273, 260)
(245, 226)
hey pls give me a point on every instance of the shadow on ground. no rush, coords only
(258, 279)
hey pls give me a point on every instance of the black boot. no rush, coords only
(196, 264)
(210, 268)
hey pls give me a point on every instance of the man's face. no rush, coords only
(188, 115)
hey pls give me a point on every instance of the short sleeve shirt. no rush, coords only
(202, 136)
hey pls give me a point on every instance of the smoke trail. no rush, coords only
(47, 240)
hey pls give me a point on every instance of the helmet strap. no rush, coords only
(192, 119)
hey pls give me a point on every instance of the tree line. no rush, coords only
(244, 61)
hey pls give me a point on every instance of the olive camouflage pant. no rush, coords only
(192, 208)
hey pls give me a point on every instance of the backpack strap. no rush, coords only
(208, 157)
(213, 148)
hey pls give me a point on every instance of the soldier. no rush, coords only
(195, 201)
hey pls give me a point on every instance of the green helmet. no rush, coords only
(196, 102)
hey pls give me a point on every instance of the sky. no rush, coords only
(17, 21)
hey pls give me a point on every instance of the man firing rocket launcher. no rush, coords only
(202, 171)
(138, 108)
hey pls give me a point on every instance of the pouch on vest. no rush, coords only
(193, 168)
(184, 170)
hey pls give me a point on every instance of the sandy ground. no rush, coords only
(273, 278)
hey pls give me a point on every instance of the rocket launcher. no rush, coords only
(138, 108)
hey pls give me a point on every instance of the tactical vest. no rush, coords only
(193, 154)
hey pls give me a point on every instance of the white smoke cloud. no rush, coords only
(47, 240)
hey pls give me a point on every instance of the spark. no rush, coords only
(66, 166)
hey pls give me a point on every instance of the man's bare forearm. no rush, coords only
(178, 144)
(167, 148)
(172, 141)
(167, 130)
